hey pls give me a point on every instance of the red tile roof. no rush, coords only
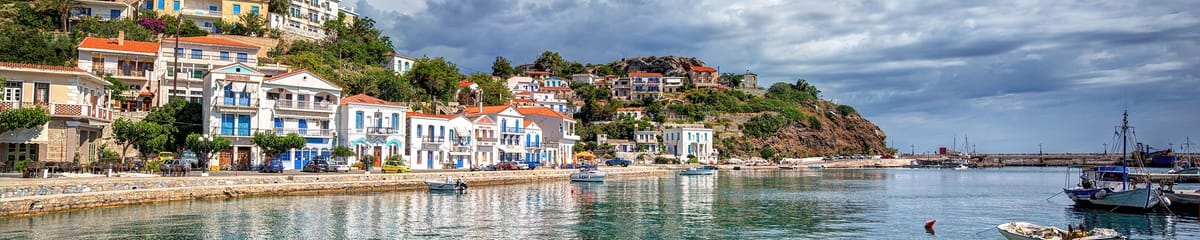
(537, 73)
(363, 98)
(214, 41)
(628, 109)
(111, 44)
(703, 68)
(645, 74)
(40, 67)
(464, 83)
(486, 109)
(527, 123)
(522, 93)
(556, 88)
(522, 100)
(543, 111)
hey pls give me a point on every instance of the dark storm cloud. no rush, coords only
(1010, 74)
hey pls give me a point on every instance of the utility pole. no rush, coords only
(1105, 149)
(912, 149)
(174, 70)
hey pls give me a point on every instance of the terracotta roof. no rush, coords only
(626, 109)
(215, 41)
(464, 83)
(522, 93)
(645, 74)
(111, 44)
(522, 100)
(40, 67)
(421, 114)
(556, 88)
(487, 109)
(363, 98)
(543, 111)
(537, 73)
(703, 68)
(527, 123)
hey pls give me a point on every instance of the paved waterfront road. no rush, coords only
(773, 204)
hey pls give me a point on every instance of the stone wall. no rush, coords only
(42, 196)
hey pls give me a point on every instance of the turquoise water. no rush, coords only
(830, 204)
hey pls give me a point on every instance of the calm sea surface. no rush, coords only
(827, 204)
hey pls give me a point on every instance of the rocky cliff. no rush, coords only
(836, 133)
(667, 65)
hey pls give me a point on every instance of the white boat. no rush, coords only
(1111, 186)
(1030, 231)
(816, 167)
(588, 176)
(706, 170)
(962, 167)
(449, 184)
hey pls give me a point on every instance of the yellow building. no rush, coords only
(206, 12)
(74, 99)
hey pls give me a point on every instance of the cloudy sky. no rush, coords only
(1007, 74)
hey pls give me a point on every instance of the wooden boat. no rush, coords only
(1030, 231)
(1189, 198)
(697, 171)
(787, 167)
(449, 184)
(588, 175)
(1111, 186)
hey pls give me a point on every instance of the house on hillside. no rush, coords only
(131, 62)
(398, 63)
(704, 76)
(371, 126)
(77, 102)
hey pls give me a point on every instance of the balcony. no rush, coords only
(234, 132)
(303, 105)
(461, 149)
(382, 131)
(201, 13)
(432, 143)
(233, 102)
(511, 130)
(305, 132)
(125, 73)
(64, 110)
(230, 57)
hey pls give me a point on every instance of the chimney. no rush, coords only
(121, 38)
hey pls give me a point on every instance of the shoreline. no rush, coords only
(27, 198)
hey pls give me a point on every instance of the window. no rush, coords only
(196, 53)
(303, 126)
(178, 51)
(278, 123)
(227, 124)
(441, 131)
(224, 56)
(12, 91)
(237, 9)
(242, 57)
(150, 4)
(358, 120)
(272, 96)
(254, 10)
(418, 130)
(208, 24)
(212, 8)
(243, 125)
(197, 73)
(114, 14)
(395, 121)
(228, 96)
(176, 6)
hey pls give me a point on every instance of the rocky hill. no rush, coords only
(833, 133)
(667, 65)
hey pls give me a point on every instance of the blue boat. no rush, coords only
(707, 170)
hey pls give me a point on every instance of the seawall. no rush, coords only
(19, 198)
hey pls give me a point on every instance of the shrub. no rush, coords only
(663, 160)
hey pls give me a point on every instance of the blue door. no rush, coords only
(430, 162)
(299, 160)
(460, 163)
(303, 127)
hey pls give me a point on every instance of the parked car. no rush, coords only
(395, 167)
(316, 166)
(190, 158)
(272, 166)
(617, 162)
(507, 166)
(523, 166)
(339, 166)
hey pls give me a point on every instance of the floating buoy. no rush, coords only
(929, 224)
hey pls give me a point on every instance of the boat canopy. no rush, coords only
(1111, 169)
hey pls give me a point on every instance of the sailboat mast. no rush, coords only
(1124, 149)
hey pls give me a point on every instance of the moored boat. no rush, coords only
(449, 184)
(787, 167)
(1112, 186)
(1030, 231)
(697, 171)
(816, 167)
(588, 175)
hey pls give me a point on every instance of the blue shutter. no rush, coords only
(395, 121)
(176, 6)
(114, 14)
(441, 131)
(237, 9)
(278, 123)
(224, 56)
(212, 8)
(527, 138)
(245, 98)
(226, 124)
(537, 140)
(358, 120)
(303, 126)
(418, 130)
(244, 125)
(229, 95)
(503, 125)
(254, 9)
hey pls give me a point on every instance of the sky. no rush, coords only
(1006, 75)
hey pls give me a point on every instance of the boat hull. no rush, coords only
(696, 172)
(1184, 198)
(1143, 198)
(444, 186)
(588, 177)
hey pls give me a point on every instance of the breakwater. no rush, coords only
(52, 195)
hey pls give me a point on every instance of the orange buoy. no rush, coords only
(929, 224)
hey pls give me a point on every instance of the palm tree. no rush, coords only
(63, 7)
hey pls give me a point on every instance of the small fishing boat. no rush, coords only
(816, 167)
(588, 175)
(1030, 231)
(1113, 186)
(962, 167)
(787, 167)
(449, 184)
(1184, 198)
(697, 171)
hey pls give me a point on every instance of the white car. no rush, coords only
(339, 166)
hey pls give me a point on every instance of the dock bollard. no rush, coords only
(109, 173)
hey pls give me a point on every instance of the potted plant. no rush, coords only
(367, 161)
(23, 167)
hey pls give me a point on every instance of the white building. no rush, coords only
(558, 134)
(196, 56)
(555, 82)
(306, 18)
(428, 143)
(371, 126)
(645, 85)
(534, 153)
(105, 10)
(684, 140)
(634, 113)
(461, 143)
(522, 84)
(585, 78)
(509, 121)
(398, 63)
(672, 84)
(132, 62)
(239, 101)
(485, 140)
(647, 141)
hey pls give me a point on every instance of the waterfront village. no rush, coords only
(241, 95)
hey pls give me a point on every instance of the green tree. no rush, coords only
(179, 118)
(493, 92)
(109, 29)
(205, 146)
(146, 137)
(734, 80)
(436, 76)
(549, 61)
(278, 7)
(250, 24)
(272, 144)
(22, 118)
(23, 45)
(118, 87)
(502, 68)
(63, 7)
(767, 153)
